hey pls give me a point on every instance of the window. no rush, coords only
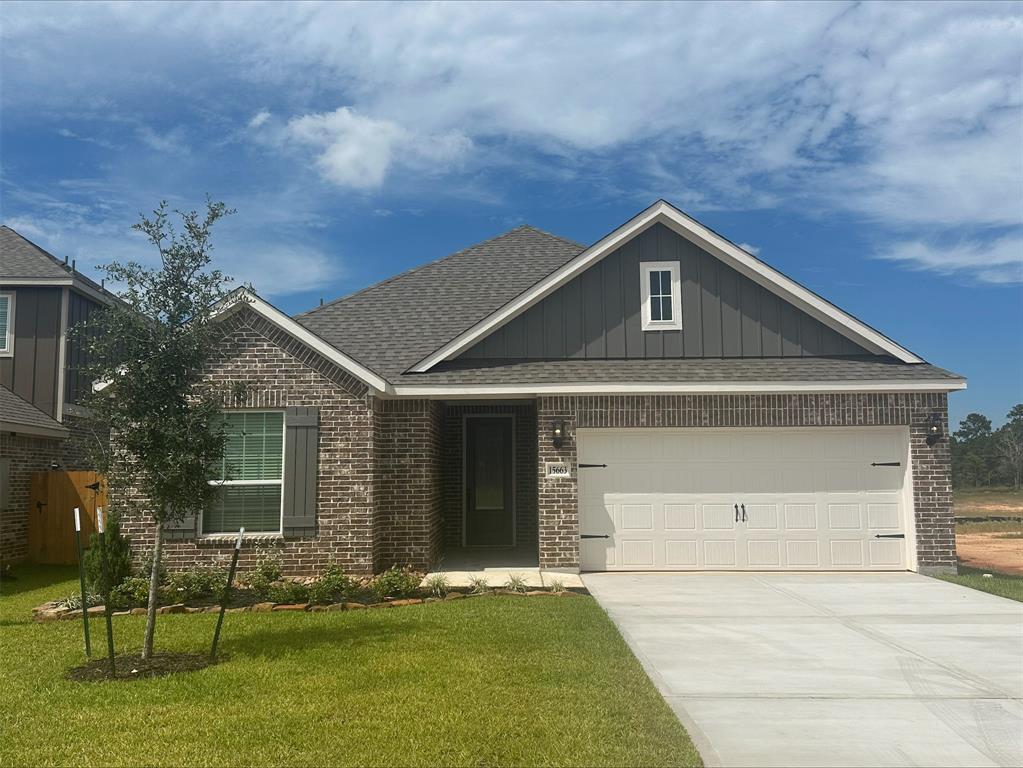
(661, 296)
(251, 475)
(6, 324)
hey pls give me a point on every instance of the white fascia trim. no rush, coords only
(702, 388)
(662, 212)
(25, 429)
(260, 306)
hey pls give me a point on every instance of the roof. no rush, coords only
(24, 262)
(19, 415)
(390, 326)
(693, 370)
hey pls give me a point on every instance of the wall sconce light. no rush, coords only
(934, 429)
(558, 434)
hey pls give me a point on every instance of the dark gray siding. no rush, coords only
(77, 381)
(32, 372)
(724, 314)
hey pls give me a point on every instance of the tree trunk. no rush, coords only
(154, 583)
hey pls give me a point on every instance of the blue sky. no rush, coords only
(874, 152)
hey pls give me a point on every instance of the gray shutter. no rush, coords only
(301, 462)
(180, 529)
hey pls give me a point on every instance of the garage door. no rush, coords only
(762, 499)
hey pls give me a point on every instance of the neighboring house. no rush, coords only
(41, 375)
(660, 399)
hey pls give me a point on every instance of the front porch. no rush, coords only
(462, 565)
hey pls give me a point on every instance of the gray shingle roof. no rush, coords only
(14, 410)
(392, 325)
(696, 371)
(20, 257)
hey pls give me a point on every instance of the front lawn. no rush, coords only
(488, 681)
(1001, 584)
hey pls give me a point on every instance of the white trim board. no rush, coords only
(25, 429)
(743, 262)
(702, 388)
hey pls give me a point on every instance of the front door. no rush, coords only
(489, 503)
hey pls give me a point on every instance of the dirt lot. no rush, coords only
(989, 534)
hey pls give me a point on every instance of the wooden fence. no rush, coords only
(51, 522)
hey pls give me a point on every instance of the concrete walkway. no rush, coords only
(497, 565)
(829, 669)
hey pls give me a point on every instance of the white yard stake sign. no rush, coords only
(81, 581)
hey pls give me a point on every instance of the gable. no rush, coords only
(598, 315)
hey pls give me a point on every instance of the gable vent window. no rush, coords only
(6, 324)
(661, 296)
(250, 478)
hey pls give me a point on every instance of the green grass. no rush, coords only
(488, 681)
(1001, 584)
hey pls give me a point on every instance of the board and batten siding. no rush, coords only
(77, 381)
(32, 372)
(596, 315)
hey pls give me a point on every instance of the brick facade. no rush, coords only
(932, 487)
(453, 468)
(30, 454)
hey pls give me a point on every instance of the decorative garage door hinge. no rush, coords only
(886, 463)
(889, 536)
(592, 466)
(594, 536)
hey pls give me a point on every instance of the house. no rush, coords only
(658, 400)
(41, 375)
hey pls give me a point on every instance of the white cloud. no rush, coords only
(754, 249)
(259, 118)
(357, 151)
(998, 261)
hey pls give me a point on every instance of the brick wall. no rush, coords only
(408, 436)
(932, 489)
(525, 468)
(279, 372)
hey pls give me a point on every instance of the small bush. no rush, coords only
(73, 601)
(333, 586)
(288, 592)
(132, 592)
(437, 585)
(196, 584)
(516, 583)
(265, 574)
(556, 586)
(396, 582)
(118, 553)
(478, 585)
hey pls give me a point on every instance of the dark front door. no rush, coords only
(489, 503)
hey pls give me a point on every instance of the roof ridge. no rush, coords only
(413, 270)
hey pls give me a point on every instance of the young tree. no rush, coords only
(971, 451)
(165, 424)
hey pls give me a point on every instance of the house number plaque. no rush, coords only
(558, 469)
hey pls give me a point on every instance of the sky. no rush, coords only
(873, 152)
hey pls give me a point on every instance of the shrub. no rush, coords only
(516, 583)
(478, 585)
(396, 582)
(288, 592)
(556, 586)
(73, 601)
(196, 584)
(132, 592)
(437, 585)
(118, 558)
(333, 586)
(265, 574)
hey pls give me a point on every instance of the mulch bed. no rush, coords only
(132, 667)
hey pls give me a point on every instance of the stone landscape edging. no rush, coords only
(51, 611)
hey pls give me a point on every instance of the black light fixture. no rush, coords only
(558, 433)
(934, 429)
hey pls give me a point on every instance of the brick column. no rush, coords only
(557, 498)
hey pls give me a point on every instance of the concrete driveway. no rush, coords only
(828, 669)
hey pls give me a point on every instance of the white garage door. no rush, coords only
(750, 499)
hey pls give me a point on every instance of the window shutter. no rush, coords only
(301, 462)
(180, 529)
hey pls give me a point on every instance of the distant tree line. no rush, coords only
(982, 456)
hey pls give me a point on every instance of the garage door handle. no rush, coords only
(743, 512)
(889, 536)
(736, 513)
(594, 536)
